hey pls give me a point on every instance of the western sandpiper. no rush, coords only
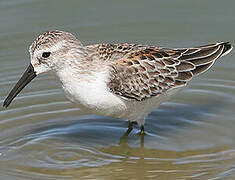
(119, 80)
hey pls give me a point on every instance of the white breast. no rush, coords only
(90, 93)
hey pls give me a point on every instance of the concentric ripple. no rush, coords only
(44, 136)
(53, 138)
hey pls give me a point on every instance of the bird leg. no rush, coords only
(130, 128)
(141, 133)
(142, 130)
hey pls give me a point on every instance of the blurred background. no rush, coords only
(44, 136)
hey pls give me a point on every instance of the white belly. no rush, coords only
(96, 100)
(93, 97)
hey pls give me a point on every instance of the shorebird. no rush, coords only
(119, 80)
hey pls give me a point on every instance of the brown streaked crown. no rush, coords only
(49, 38)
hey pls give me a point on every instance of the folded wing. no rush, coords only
(153, 71)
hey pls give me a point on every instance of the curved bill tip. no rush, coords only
(28, 76)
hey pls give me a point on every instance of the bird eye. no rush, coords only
(46, 54)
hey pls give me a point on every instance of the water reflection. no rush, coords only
(185, 138)
(43, 136)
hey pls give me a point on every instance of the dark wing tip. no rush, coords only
(203, 57)
(227, 48)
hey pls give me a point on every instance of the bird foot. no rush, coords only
(142, 132)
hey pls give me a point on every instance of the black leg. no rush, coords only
(142, 129)
(141, 133)
(123, 139)
(130, 128)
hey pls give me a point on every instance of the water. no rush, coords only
(44, 136)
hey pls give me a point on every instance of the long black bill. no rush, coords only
(28, 76)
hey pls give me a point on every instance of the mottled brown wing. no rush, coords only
(153, 71)
(112, 52)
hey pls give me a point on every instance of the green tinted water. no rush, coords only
(44, 136)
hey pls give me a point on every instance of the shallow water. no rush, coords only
(44, 136)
